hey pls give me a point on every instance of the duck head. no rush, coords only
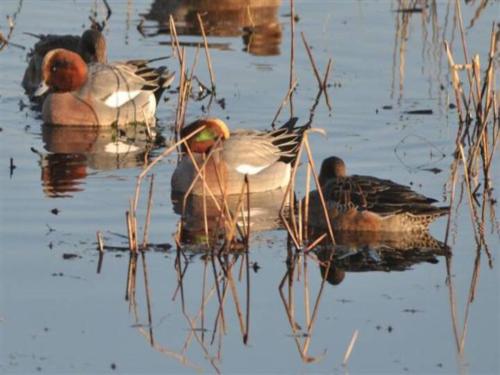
(203, 141)
(62, 71)
(93, 46)
(330, 168)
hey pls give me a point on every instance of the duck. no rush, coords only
(99, 94)
(365, 203)
(265, 157)
(91, 46)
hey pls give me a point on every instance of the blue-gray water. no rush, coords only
(59, 315)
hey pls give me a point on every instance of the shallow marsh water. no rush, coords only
(59, 315)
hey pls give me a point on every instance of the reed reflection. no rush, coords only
(435, 21)
(256, 21)
(74, 152)
(353, 252)
(212, 309)
(205, 220)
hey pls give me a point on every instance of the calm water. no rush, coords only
(59, 315)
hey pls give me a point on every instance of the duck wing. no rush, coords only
(384, 197)
(249, 152)
(117, 84)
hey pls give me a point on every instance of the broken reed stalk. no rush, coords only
(182, 98)
(474, 146)
(285, 100)
(325, 84)
(289, 196)
(100, 247)
(234, 293)
(293, 231)
(131, 279)
(313, 63)
(249, 218)
(5, 41)
(457, 84)
(305, 221)
(320, 192)
(148, 214)
(293, 265)
(205, 217)
(207, 53)
(306, 292)
(348, 351)
(247, 320)
(100, 242)
(458, 10)
(174, 39)
(200, 175)
(470, 297)
(130, 231)
(148, 297)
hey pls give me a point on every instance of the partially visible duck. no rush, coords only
(91, 46)
(265, 156)
(99, 94)
(366, 203)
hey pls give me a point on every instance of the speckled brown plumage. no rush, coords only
(370, 203)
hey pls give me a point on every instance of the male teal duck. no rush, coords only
(366, 203)
(91, 46)
(266, 157)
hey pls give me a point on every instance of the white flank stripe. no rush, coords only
(119, 98)
(249, 169)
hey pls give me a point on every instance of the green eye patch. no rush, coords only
(205, 135)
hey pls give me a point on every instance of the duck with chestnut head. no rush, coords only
(265, 157)
(99, 94)
(91, 46)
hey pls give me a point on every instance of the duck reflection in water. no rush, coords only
(379, 225)
(255, 20)
(375, 251)
(74, 151)
(263, 215)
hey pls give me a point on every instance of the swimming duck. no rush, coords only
(266, 157)
(366, 203)
(99, 94)
(91, 46)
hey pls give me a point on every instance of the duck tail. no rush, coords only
(288, 138)
(165, 79)
(38, 36)
(440, 211)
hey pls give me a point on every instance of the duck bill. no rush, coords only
(42, 89)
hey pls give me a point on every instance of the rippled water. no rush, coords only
(58, 315)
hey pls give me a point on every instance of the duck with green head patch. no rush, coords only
(266, 157)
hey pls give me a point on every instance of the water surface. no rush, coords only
(58, 315)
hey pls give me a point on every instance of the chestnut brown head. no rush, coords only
(62, 71)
